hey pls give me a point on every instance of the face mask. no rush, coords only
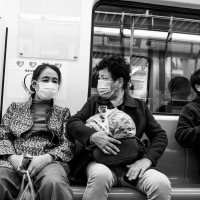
(103, 88)
(47, 91)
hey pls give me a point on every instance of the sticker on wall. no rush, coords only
(32, 64)
(20, 63)
(27, 82)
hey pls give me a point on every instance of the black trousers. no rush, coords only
(51, 183)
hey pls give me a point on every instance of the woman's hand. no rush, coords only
(137, 169)
(15, 160)
(105, 142)
(39, 162)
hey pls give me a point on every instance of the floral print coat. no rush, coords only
(18, 120)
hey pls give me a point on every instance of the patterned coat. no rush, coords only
(18, 120)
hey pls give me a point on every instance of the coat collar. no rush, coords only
(197, 99)
(128, 101)
(30, 101)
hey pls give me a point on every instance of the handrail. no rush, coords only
(148, 34)
(148, 15)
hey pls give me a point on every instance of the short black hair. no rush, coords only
(40, 69)
(117, 66)
(195, 79)
(179, 85)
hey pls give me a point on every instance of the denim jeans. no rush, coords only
(153, 183)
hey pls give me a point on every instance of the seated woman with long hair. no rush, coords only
(36, 127)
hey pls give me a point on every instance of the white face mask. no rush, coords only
(104, 89)
(47, 91)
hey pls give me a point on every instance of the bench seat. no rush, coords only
(181, 192)
(121, 193)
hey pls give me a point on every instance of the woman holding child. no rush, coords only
(114, 77)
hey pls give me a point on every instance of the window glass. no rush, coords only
(162, 45)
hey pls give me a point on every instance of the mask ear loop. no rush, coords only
(112, 92)
(34, 87)
(120, 79)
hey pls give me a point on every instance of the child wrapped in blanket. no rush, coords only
(114, 122)
(119, 125)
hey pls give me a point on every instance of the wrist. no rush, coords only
(150, 162)
(92, 139)
(50, 157)
(8, 157)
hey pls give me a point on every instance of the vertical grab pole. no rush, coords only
(132, 37)
(122, 49)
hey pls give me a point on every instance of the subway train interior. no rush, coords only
(159, 38)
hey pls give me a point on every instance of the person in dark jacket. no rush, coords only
(37, 127)
(188, 128)
(114, 77)
(180, 89)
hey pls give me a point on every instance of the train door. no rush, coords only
(3, 40)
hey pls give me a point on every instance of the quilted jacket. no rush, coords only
(18, 120)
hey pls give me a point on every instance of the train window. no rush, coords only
(162, 45)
